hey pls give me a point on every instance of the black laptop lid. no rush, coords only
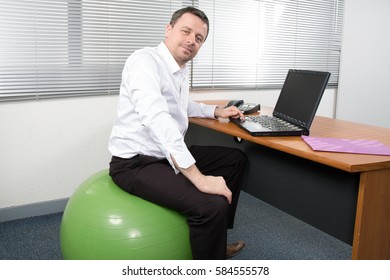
(300, 96)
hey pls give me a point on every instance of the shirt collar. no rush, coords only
(170, 60)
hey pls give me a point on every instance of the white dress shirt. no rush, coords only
(153, 108)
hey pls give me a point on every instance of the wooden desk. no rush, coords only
(371, 234)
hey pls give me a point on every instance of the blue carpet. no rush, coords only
(35, 238)
(269, 234)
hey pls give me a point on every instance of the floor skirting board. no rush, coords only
(32, 210)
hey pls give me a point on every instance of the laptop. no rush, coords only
(295, 108)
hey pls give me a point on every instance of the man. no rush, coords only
(149, 156)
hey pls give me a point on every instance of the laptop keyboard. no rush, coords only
(273, 123)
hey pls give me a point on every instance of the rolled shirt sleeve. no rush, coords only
(201, 110)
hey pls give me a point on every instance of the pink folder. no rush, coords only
(354, 146)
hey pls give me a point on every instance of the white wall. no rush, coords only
(266, 98)
(48, 147)
(364, 89)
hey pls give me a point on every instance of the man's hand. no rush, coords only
(206, 184)
(214, 185)
(231, 111)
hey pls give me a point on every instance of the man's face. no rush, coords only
(185, 37)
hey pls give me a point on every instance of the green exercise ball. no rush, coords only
(103, 222)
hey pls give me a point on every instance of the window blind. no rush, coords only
(58, 48)
(252, 44)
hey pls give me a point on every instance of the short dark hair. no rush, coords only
(192, 10)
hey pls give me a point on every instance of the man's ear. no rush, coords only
(168, 30)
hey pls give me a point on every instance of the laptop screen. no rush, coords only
(300, 96)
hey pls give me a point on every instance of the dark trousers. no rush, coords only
(208, 216)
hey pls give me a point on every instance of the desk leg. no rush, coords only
(372, 225)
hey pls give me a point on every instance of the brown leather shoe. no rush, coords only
(233, 249)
